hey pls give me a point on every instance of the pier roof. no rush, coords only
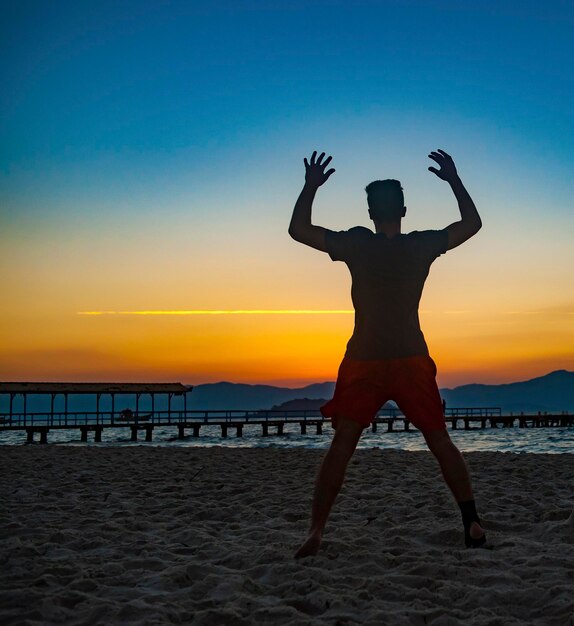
(79, 388)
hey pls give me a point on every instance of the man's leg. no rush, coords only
(455, 472)
(329, 481)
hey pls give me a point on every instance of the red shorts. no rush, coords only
(364, 386)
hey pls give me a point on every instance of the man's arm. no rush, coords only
(301, 228)
(470, 222)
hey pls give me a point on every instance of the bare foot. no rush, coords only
(476, 536)
(476, 531)
(310, 547)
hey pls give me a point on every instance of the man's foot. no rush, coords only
(310, 547)
(476, 536)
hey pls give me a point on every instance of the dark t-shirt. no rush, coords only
(388, 278)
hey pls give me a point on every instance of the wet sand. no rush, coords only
(149, 535)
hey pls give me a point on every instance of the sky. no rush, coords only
(151, 154)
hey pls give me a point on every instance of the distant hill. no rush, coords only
(553, 392)
(253, 397)
(300, 404)
(305, 404)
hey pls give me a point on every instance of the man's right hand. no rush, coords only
(447, 167)
(315, 174)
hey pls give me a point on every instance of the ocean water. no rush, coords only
(551, 440)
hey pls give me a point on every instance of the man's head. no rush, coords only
(386, 200)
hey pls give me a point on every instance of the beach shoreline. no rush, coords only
(207, 535)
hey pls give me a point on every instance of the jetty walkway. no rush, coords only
(190, 422)
(270, 422)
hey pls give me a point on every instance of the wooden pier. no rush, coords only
(190, 422)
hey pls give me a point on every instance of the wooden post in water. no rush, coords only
(134, 433)
(374, 426)
(148, 432)
(319, 428)
(265, 429)
(224, 430)
(98, 434)
(44, 435)
(280, 428)
(84, 434)
(239, 430)
(407, 425)
(196, 428)
(303, 427)
(180, 431)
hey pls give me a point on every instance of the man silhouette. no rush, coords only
(387, 357)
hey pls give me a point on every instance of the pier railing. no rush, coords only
(468, 418)
(175, 417)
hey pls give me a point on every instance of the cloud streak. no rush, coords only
(225, 312)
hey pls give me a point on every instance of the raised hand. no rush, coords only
(315, 174)
(447, 167)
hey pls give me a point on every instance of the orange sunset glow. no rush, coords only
(80, 305)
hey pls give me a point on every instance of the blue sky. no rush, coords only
(141, 140)
(149, 78)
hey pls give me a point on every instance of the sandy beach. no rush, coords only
(147, 535)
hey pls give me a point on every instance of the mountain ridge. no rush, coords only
(551, 392)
